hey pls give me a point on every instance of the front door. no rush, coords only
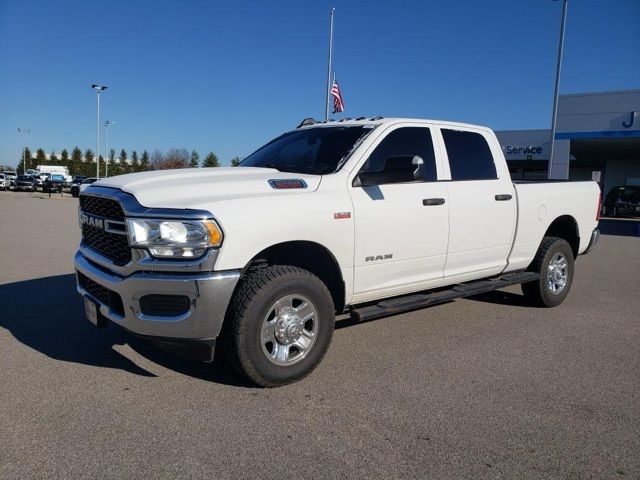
(401, 229)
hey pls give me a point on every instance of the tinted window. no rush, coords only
(310, 150)
(404, 143)
(469, 156)
(630, 194)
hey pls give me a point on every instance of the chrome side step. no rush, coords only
(416, 301)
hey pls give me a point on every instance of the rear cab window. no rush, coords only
(469, 155)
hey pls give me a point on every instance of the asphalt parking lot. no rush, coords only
(479, 388)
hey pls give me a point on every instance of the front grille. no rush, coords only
(112, 245)
(102, 294)
(103, 207)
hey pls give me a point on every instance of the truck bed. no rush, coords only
(541, 203)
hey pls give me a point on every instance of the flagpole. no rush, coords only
(326, 101)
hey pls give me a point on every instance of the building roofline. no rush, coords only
(541, 130)
(609, 92)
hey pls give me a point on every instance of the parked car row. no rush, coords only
(44, 182)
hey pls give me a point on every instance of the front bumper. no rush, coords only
(209, 295)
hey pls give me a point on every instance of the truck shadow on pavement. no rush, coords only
(47, 315)
(500, 297)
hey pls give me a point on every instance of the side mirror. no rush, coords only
(418, 162)
(398, 169)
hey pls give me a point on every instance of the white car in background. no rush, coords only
(9, 178)
(86, 182)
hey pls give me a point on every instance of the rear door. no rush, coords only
(482, 204)
(401, 229)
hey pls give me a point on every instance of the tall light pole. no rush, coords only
(99, 89)
(24, 150)
(107, 124)
(557, 87)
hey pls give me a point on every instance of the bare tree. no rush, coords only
(174, 158)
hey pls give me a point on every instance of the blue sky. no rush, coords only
(228, 76)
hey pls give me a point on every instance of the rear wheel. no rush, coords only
(554, 263)
(279, 325)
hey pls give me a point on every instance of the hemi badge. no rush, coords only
(341, 215)
(286, 184)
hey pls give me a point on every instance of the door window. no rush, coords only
(469, 156)
(402, 145)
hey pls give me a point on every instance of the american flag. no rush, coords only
(338, 103)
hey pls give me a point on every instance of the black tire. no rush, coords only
(540, 293)
(249, 310)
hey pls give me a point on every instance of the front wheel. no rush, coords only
(554, 263)
(279, 325)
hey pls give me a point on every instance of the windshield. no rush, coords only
(89, 180)
(24, 178)
(317, 151)
(57, 178)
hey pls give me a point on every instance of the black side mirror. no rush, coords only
(398, 169)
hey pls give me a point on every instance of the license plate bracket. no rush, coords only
(92, 312)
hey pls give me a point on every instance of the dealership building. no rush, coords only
(597, 137)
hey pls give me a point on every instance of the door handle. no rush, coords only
(427, 202)
(503, 197)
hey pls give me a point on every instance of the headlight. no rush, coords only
(174, 238)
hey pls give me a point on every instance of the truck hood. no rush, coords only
(194, 187)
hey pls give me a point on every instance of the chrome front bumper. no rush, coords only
(209, 295)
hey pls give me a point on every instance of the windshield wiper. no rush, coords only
(270, 165)
(281, 169)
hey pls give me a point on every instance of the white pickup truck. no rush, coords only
(369, 217)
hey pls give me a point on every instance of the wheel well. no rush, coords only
(565, 227)
(310, 256)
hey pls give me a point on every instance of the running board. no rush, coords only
(416, 301)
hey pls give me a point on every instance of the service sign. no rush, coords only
(525, 152)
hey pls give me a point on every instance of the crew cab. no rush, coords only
(368, 217)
